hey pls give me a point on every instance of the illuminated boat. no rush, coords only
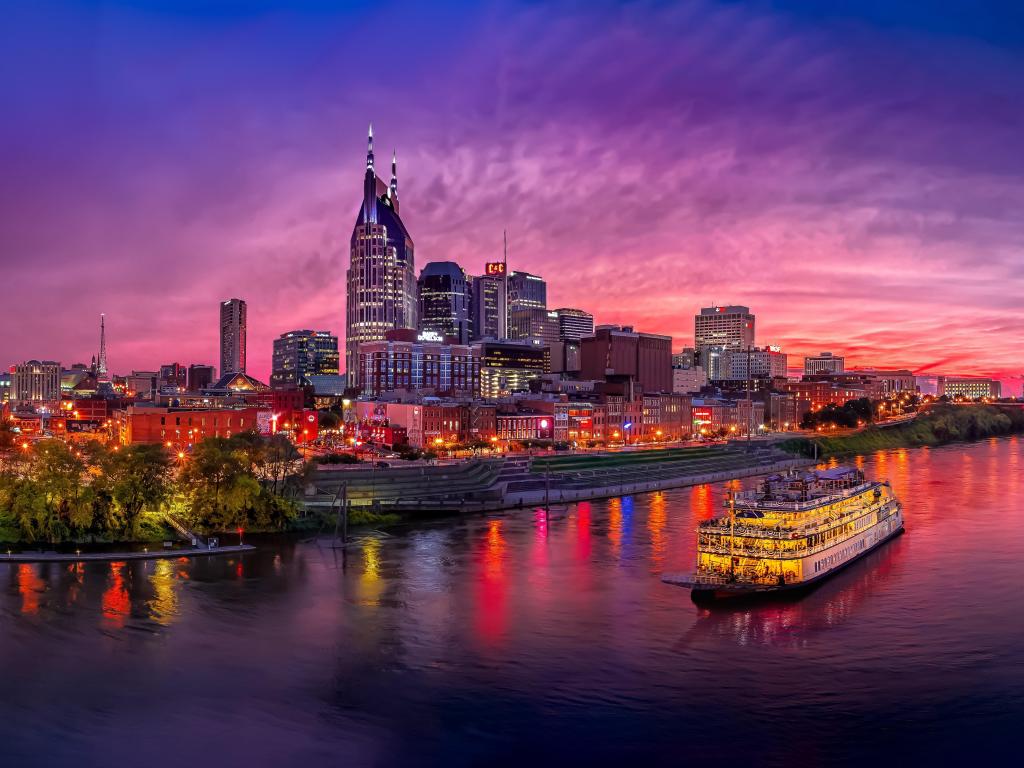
(790, 533)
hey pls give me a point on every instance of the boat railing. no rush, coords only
(738, 547)
(752, 500)
(721, 525)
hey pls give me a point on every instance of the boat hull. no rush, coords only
(715, 593)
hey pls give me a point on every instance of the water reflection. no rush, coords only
(462, 631)
(116, 601)
(163, 606)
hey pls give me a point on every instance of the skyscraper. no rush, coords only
(200, 377)
(445, 299)
(490, 310)
(574, 324)
(526, 291)
(729, 327)
(298, 354)
(381, 281)
(35, 382)
(719, 330)
(538, 326)
(232, 336)
(173, 376)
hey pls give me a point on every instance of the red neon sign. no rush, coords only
(494, 268)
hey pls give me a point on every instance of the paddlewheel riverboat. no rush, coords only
(791, 532)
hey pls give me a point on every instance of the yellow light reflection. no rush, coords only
(163, 607)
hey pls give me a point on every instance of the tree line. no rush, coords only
(54, 492)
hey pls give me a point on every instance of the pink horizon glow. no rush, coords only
(859, 189)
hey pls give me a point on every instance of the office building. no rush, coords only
(301, 354)
(233, 326)
(688, 380)
(445, 301)
(687, 358)
(510, 366)
(622, 354)
(537, 326)
(969, 388)
(574, 324)
(36, 382)
(825, 362)
(405, 362)
(526, 291)
(381, 278)
(173, 376)
(490, 308)
(142, 385)
(729, 327)
(200, 377)
(759, 363)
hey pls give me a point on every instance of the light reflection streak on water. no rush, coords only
(163, 606)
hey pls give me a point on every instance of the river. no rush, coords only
(500, 640)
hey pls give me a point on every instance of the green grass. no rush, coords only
(607, 461)
(940, 425)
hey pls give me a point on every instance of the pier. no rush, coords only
(155, 554)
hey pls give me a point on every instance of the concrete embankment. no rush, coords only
(155, 554)
(564, 495)
(517, 481)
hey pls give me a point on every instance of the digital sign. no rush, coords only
(494, 268)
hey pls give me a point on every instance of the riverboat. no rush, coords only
(790, 533)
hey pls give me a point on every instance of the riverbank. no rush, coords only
(940, 425)
(488, 485)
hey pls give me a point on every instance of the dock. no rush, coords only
(155, 554)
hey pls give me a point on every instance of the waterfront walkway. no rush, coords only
(154, 554)
(479, 485)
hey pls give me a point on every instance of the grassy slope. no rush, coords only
(938, 426)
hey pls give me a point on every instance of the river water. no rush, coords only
(501, 640)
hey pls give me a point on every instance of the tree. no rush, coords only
(138, 477)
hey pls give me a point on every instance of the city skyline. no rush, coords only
(870, 229)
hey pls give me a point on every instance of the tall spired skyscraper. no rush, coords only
(381, 272)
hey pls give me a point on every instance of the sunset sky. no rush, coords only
(855, 175)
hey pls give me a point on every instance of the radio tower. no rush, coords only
(101, 361)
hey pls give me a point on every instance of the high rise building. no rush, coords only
(719, 330)
(232, 336)
(445, 301)
(730, 327)
(490, 308)
(173, 376)
(826, 362)
(767, 362)
(526, 291)
(404, 362)
(35, 382)
(300, 354)
(510, 366)
(201, 377)
(574, 324)
(620, 353)
(381, 281)
(538, 326)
